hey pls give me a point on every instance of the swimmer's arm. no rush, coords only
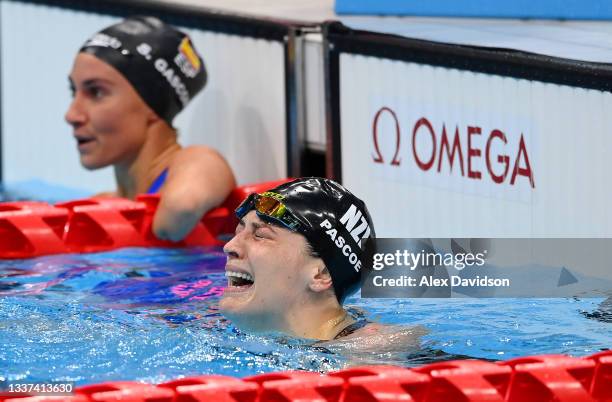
(199, 179)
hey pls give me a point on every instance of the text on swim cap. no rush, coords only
(350, 219)
(173, 79)
(145, 50)
(161, 65)
(340, 242)
(103, 40)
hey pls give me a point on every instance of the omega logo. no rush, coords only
(460, 150)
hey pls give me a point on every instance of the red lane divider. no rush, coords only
(550, 378)
(212, 388)
(126, 391)
(466, 380)
(546, 378)
(382, 383)
(601, 387)
(48, 398)
(30, 229)
(103, 223)
(297, 386)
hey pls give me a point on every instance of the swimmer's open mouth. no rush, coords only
(82, 141)
(239, 279)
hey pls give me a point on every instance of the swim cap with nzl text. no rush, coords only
(335, 222)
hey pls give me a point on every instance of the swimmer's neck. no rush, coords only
(322, 323)
(136, 175)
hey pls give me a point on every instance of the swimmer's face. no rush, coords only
(277, 268)
(109, 118)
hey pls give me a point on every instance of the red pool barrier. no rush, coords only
(103, 223)
(467, 380)
(212, 388)
(297, 386)
(546, 378)
(30, 229)
(382, 383)
(601, 386)
(552, 378)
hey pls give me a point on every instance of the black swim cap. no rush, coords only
(158, 60)
(337, 225)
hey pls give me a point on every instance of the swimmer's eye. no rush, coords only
(263, 233)
(95, 91)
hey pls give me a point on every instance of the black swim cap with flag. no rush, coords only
(158, 60)
(335, 222)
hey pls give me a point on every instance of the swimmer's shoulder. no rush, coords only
(195, 154)
(368, 329)
(380, 337)
(203, 165)
(202, 161)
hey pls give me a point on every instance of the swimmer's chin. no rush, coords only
(93, 165)
(228, 308)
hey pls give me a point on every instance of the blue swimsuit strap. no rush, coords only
(158, 183)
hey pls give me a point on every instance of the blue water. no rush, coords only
(151, 315)
(39, 190)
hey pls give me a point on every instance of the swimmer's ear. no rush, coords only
(152, 117)
(321, 280)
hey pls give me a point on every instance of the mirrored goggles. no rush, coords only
(269, 207)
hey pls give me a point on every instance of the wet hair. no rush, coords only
(157, 59)
(310, 251)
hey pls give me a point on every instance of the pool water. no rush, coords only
(151, 315)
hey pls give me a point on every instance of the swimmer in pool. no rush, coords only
(294, 259)
(129, 81)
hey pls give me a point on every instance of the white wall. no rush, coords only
(566, 132)
(38, 47)
(241, 112)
